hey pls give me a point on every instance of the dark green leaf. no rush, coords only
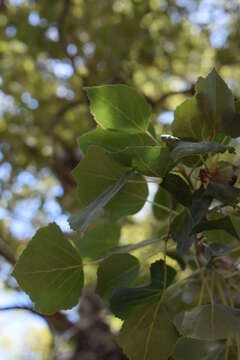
(184, 149)
(164, 199)
(215, 100)
(117, 270)
(148, 334)
(124, 299)
(99, 240)
(222, 223)
(224, 192)
(208, 323)
(183, 224)
(99, 176)
(189, 349)
(176, 186)
(50, 271)
(119, 107)
(174, 255)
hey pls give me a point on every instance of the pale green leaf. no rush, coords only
(119, 107)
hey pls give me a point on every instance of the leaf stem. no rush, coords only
(152, 137)
(227, 349)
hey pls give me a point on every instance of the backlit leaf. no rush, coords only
(119, 107)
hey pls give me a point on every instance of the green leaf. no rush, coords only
(165, 200)
(113, 140)
(189, 349)
(184, 149)
(50, 271)
(208, 323)
(117, 270)
(124, 299)
(224, 192)
(178, 187)
(181, 228)
(222, 223)
(209, 112)
(216, 101)
(188, 121)
(152, 161)
(99, 240)
(97, 174)
(80, 222)
(119, 107)
(148, 334)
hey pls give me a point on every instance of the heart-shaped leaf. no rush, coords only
(50, 271)
(148, 334)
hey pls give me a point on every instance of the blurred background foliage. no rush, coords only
(50, 50)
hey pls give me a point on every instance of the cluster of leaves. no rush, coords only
(197, 167)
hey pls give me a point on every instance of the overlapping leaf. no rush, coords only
(99, 183)
(119, 107)
(210, 111)
(113, 141)
(124, 299)
(115, 271)
(183, 224)
(148, 160)
(99, 240)
(178, 187)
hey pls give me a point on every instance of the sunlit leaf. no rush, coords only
(113, 141)
(100, 179)
(119, 107)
